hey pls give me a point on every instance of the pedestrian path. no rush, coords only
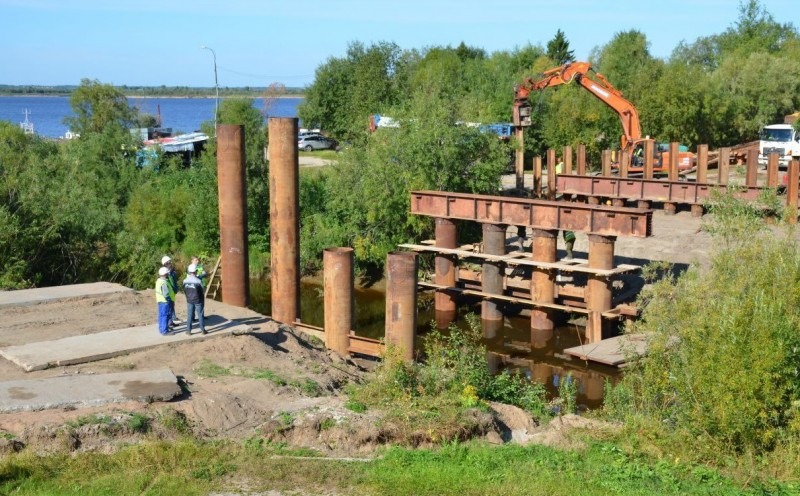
(25, 297)
(87, 390)
(102, 345)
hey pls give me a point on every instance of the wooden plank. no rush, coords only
(517, 259)
(611, 351)
(510, 299)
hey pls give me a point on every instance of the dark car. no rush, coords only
(315, 142)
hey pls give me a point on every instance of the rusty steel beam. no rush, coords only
(338, 298)
(567, 160)
(647, 189)
(494, 243)
(519, 157)
(581, 159)
(673, 161)
(539, 214)
(598, 289)
(751, 173)
(233, 214)
(772, 170)
(401, 301)
(702, 163)
(724, 166)
(445, 272)
(649, 150)
(551, 174)
(605, 163)
(791, 189)
(543, 280)
(284, 218)
(537, 176)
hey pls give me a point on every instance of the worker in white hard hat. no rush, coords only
(172, 279)
(193, 289)
(164, 300)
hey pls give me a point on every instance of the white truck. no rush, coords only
(781, 139)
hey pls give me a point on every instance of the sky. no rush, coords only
(261, 42)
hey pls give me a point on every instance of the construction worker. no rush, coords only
(172, 279)
(569, 242)
(193, 289)
(163, 299)
(201, 272)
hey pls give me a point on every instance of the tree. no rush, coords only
(558, 49)
(97, 107)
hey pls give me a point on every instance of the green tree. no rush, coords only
(98, 106)
(558, 49)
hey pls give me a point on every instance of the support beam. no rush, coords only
(233, 214)
(445, 275)
(624, 164)
(543, 280)
(551, 174)
(519, 157)
(567, 160)
(751, 174)
(284, 207)
(674, 148)
(724, 166)
(791, 189)
(581, 159)
(702, 164)
(537, 176)
(649, 151)
(601, 256)
(338, 298)
(772, 170)
(494, 243)
(401, 302)
(541, 214)
(605, 163)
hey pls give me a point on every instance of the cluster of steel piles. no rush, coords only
(645, 189)
(545, 218)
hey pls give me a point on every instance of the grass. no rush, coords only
(323, 154)
(308, 387)
(191, 467)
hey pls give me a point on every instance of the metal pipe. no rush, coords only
(598, 288)
(445, 275)
(537, 176)
(581, 159)
(494, 243)
(724, 166)
(284, 233)
(791, 189)
(338, 298)
(233, 214)
(772, 170)
(401, 301)
(567, 160)
(702, 164)
(649, 151)
(751, 173)
(544, 247)
(605, 163)
(551, 174)
(519, 157)
(674, 149)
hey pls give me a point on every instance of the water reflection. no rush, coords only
(511, 343)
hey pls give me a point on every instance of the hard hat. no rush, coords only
(192, 268)
(163, 271)
(165, 259)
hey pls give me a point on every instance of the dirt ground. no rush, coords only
(303, 402)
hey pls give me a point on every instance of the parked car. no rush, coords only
(315, 142)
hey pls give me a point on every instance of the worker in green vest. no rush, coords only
(164, 298)
(569, 242)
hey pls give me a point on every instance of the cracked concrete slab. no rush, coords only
(39, 295)
(88, 390)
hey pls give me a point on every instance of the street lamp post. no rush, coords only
(216, 86)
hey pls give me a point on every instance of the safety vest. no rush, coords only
(172, 285)
(160, 292)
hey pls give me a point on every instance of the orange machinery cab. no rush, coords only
(661, 157)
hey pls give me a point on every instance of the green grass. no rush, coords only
(191, 467)
(323, 154)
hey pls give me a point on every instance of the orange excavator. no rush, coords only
(631, 141)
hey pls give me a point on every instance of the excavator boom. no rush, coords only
(597, 85)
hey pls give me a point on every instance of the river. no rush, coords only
(47, 113)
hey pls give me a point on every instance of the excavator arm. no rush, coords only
(597, 85)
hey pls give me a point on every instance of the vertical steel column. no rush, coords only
(445, 273)
(519, 157)
(581, 159)
(537, 176)
(724, 166)
(702, 164)
(624, 164)
(284, 233)
(338, 298)
(674, 150)
(601, 256)
(649, 153)
(791, 189)
(772, 170)
(232, 185)
(551, 174)
(543, 280)
(751, 173)
(401, 301)
(567, 160)
(605, 163)
(494, 243)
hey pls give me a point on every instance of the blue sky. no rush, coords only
(257, 43)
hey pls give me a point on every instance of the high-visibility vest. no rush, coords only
(160, 292)
(172, 284)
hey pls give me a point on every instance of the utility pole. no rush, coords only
(216, 87)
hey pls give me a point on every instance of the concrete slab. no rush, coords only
(87, 390)
(102, 345)
(25, 297)
(613, 351)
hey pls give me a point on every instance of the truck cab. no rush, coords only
(778, 138)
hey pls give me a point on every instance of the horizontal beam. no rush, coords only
(358, 344)
(519, 258)
(539, 214)
(648, 189)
